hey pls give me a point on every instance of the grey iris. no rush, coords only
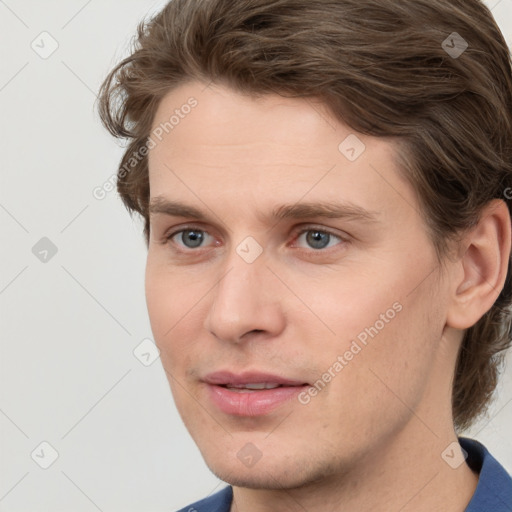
(192, 238)
(318, 239)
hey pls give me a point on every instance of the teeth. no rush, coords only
(259, 385)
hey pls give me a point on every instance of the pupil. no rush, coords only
(192, 238)
(318, 239)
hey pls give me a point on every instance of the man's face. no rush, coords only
(309, 267)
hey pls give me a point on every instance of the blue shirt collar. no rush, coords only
(494, 490)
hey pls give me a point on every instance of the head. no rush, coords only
(321, 179)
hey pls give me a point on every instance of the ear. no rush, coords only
(482, 267)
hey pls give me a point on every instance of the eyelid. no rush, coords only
(178, 229)
(313, 227)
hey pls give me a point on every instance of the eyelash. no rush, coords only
(168, 238)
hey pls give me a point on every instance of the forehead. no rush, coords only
(266, 148)
(222, 119)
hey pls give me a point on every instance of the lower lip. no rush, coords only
(251, 403)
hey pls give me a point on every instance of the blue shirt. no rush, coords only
(493, 492)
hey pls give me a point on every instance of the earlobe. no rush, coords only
(482, 267)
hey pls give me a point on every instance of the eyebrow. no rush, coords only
(160, 205)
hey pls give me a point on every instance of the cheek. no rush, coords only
(172, 308)
(394, 366)
(382, 321)
(351, 303)
(172, 302)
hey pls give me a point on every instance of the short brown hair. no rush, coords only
(381, 67)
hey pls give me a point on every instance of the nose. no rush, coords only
(245, 302)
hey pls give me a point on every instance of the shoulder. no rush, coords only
(218, 502)
(494, 489)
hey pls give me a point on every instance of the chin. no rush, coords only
(252, 479)
(271, 474)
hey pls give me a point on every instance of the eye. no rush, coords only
(318, 239)
(190, 238)
(313, 238)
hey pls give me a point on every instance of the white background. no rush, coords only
(69, 326)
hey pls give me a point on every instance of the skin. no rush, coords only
(372, 439)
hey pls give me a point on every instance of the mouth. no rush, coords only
(249, 387)
(250, 394)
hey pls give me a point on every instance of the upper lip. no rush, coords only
(223, 378)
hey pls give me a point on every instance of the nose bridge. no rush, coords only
(246, 266)
(238, 289)
(242, 300)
